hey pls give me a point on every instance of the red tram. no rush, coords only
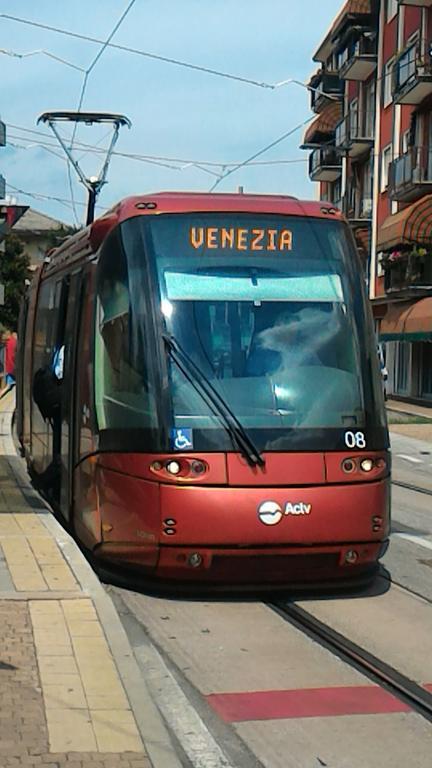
(199, 393)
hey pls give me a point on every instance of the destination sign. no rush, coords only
(240, 238)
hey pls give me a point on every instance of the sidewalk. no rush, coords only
(400, 410)
(71, 693)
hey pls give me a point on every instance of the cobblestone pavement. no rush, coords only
(23, 728)
(63, 701)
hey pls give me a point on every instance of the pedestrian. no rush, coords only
(10, 342)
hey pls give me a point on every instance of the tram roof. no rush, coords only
(183, 202)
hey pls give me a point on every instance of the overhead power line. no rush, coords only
(184, 162)
(40, 196)
(261, 152)
(138, 52)
(41, 52)
(81, 98)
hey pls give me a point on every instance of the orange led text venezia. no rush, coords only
(241, 239)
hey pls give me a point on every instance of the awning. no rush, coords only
(326, 122)
(350, 8)
(412, 225)
(362, 237)
(408, 322)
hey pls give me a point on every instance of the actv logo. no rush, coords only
(271, 513)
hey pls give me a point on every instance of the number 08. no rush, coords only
(355, 440)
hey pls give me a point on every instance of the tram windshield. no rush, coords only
(270, 310)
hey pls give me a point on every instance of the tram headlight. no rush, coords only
(173, 467)
(198, 467)
(348, 465)
(366, 465)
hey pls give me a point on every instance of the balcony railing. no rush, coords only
(420, 3)
(412, 76)
(327, 87)
(410, 175)
(325, 164)
(359, 59)
(408, 275)
(355, 133)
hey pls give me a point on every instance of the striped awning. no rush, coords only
(412, 225)
(324, 124)
(408, 322)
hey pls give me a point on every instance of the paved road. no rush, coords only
(409, 559)
(412, 460)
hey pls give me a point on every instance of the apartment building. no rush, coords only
(371, 153)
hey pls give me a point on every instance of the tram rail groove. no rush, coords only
(411, 487)
(403, 688)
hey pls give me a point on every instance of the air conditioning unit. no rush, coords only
(366, 206)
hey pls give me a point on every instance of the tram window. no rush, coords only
(274, 329)
(123, 399)
(46, 323)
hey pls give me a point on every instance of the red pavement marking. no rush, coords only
(309, 702)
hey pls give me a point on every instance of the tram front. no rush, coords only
(239, 402)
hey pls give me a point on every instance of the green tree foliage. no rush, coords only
(14, 270)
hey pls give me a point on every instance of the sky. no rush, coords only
(187, 117)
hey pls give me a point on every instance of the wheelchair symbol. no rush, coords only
(182, 439)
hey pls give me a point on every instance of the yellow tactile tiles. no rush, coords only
(32, 555)
(86, 706)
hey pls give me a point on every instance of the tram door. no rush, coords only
(64, 443)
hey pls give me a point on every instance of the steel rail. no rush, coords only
(400, 686)
(411, 487)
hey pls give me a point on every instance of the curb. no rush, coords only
(155, 736)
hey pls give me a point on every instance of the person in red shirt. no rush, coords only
(10, 342)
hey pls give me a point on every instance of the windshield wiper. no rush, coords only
(209, 393)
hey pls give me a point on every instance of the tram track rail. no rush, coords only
(417, 698)
(412, 487)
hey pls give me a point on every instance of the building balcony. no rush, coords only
(410, 175)
(420, 3)
(359, 59)
(408, 276)
(412, 77)
(327, 87)
(355, 133)
(325, 164)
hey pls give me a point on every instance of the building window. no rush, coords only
(379, 264)
(386, 159)
(336, 193)
(402, 360)
(387, 95)
(426, 369)
(391, 9)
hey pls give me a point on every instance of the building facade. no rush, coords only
(38, 234)
(371, 153)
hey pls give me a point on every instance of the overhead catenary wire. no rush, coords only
(83, 90)
(41, 196)
(261, 152)
(151, 158)
(138, 52)
(41, 52)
